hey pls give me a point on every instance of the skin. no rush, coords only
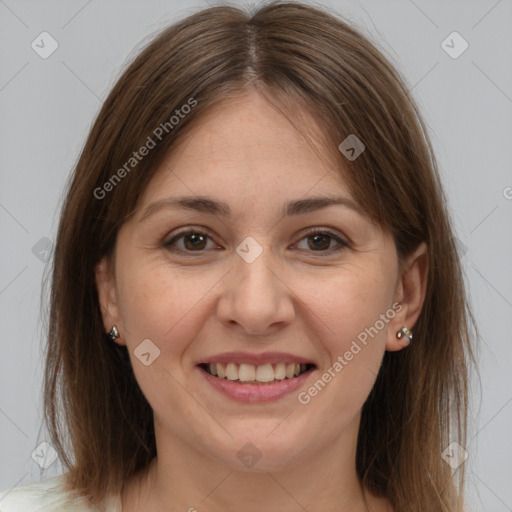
(292, 298)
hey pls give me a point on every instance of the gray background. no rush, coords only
(47, 106)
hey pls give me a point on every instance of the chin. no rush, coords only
(261, 452)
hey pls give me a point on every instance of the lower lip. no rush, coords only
(251, 393)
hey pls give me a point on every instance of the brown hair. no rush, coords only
(99, 421)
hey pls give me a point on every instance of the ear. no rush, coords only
(410, 293)
(107, 296)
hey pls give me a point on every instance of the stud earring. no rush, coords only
(404, 332)
(114, 333)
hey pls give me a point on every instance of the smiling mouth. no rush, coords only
(256, 374)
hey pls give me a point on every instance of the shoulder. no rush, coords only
(46, 496)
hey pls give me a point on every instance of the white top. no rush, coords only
(50, 496)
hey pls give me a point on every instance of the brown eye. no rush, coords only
(190, 241)
(319, 242)
(323, 241)
(195, 241)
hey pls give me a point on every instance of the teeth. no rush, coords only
(231, 371)
(265, 373)
(246, 372)
(280, 371)
(250, 373)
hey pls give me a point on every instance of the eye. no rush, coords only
(191, 240)
(321, 241)
(196, 240)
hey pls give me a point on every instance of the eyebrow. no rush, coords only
(206, 204)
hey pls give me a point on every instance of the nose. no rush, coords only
(255, 298)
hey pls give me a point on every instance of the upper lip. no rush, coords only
(255, 359)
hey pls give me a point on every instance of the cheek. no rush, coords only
(348, 322)
(163, 304)
(351, 313)
(350, 302)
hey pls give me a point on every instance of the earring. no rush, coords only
(404, 332)
(114, 333)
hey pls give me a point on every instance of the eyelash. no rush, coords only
(342, 243)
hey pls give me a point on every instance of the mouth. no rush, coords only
(248, 377)
(251, 374)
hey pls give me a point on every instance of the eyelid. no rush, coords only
(328, 231)
(185, 230)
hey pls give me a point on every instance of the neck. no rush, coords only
(183, 479)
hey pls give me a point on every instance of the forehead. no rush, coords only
(246, 147)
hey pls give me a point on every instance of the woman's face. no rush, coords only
(229, 261)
